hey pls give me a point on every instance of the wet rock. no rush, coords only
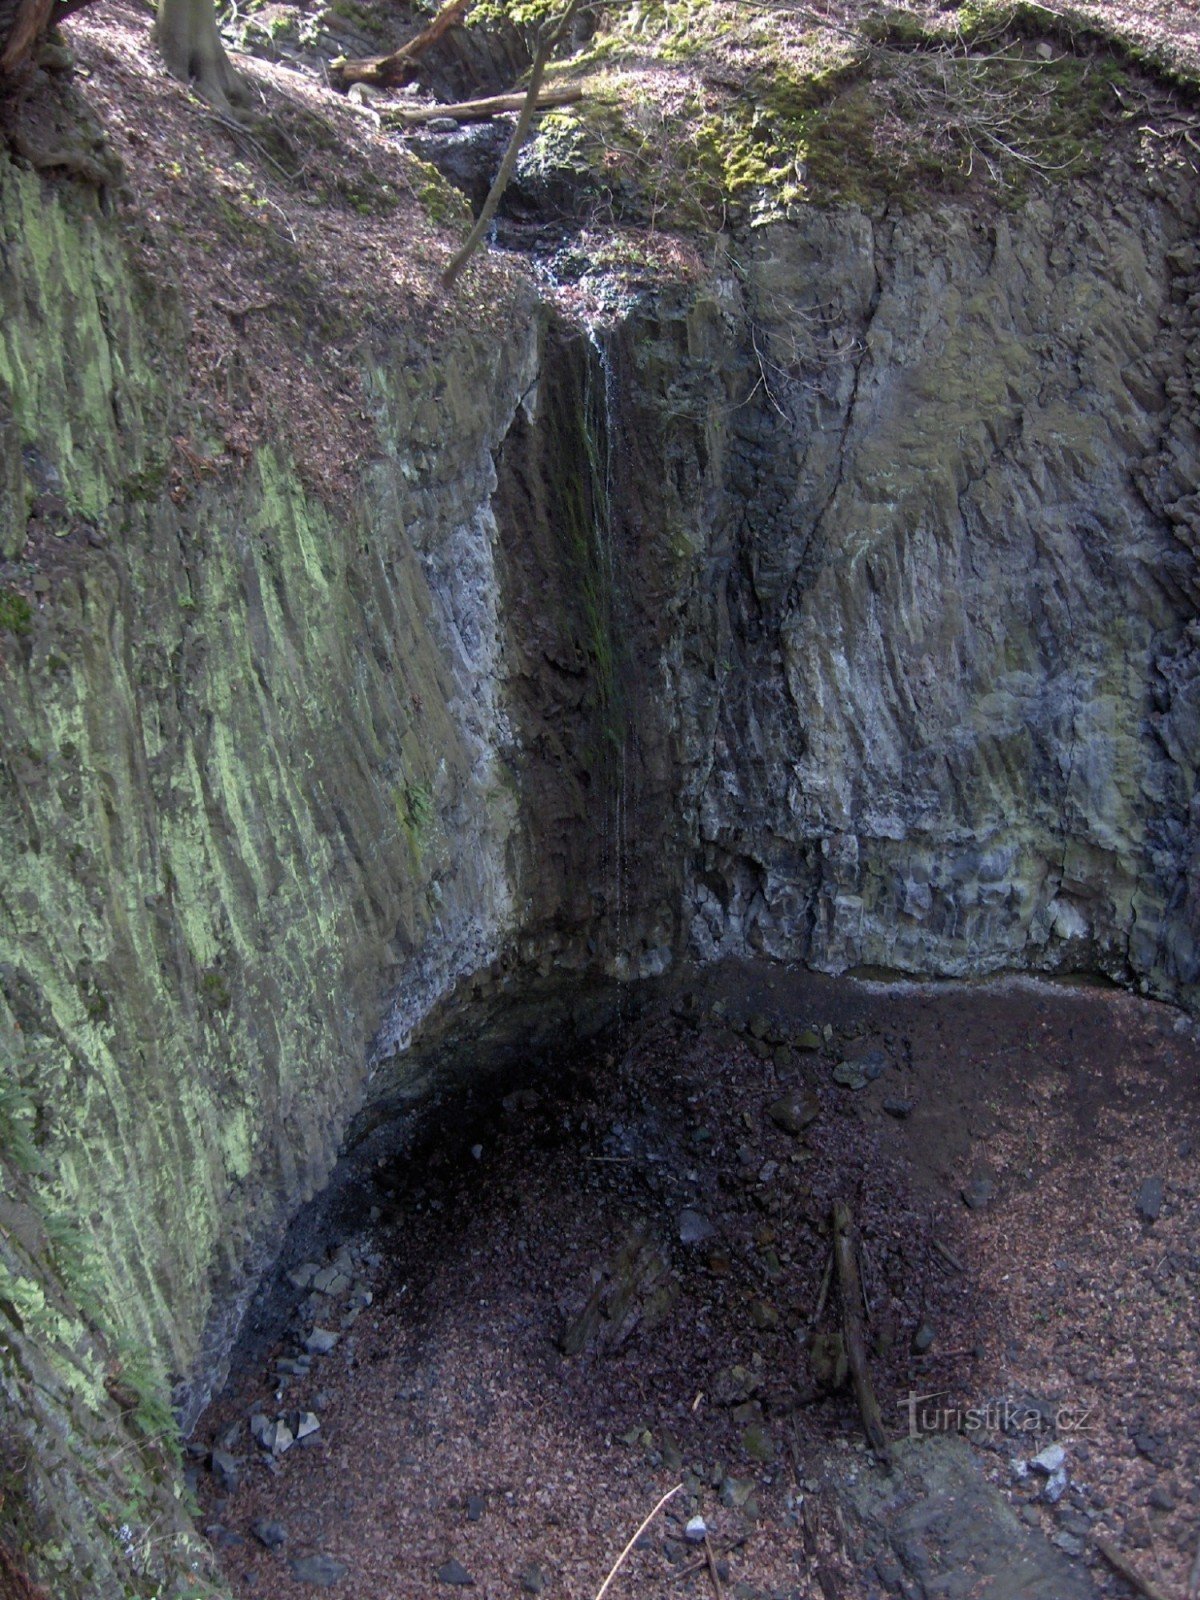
(270, 1534)
(226, 1469)
(455, 1573)
(1150, 1199)
(321, 1341)
(322, 1570)
(794, 1112)
(694, 1227)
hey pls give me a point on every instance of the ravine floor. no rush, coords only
(601, 1282)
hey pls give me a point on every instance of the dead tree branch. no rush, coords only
(386, 72)
(478, 110)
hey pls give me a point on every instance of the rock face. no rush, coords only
(840, 607)
(951, 668)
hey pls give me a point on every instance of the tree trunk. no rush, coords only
(186, 33)
(20, 28)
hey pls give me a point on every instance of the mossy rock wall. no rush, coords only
(252, 795)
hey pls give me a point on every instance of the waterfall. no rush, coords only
(602, 440)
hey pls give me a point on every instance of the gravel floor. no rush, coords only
(600, 1281)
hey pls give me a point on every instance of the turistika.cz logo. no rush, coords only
(936, 1413)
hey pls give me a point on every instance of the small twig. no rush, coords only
(824, 1294)
(670, 1494)
(712, 1569)
(1122, 1564)
(948, 1256)
(695, 1566)
(850, 1293)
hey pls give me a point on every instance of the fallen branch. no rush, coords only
(616, 1567)
(386, 72)
(479, 110)
(483, 222)
(850, 1291)
(1122, 1564)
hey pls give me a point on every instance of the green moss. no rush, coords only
(16, 614)
(415, 814)
(215, 990)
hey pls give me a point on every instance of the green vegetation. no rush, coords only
(16, 614)
(698, 114)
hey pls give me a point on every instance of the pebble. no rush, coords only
(696, 1531)
(1159, 1499)
(978, 1193)
(331, 1281)
(321, 1341)
(1056, 1486)
(793, 1112)
(226, 1469)
(302, 1276)
(533, 1579)
(1150, 1199)
(322, 1570)
(224, 1538)
(476, 1506)
(1050, 1459)
(858, 1071)
(900, 1109)
(922, 1339)
(694, 1227)
(270, 1534)
(1067, 1543)
(454, 1572)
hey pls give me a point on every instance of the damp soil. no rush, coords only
(601, 1278)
